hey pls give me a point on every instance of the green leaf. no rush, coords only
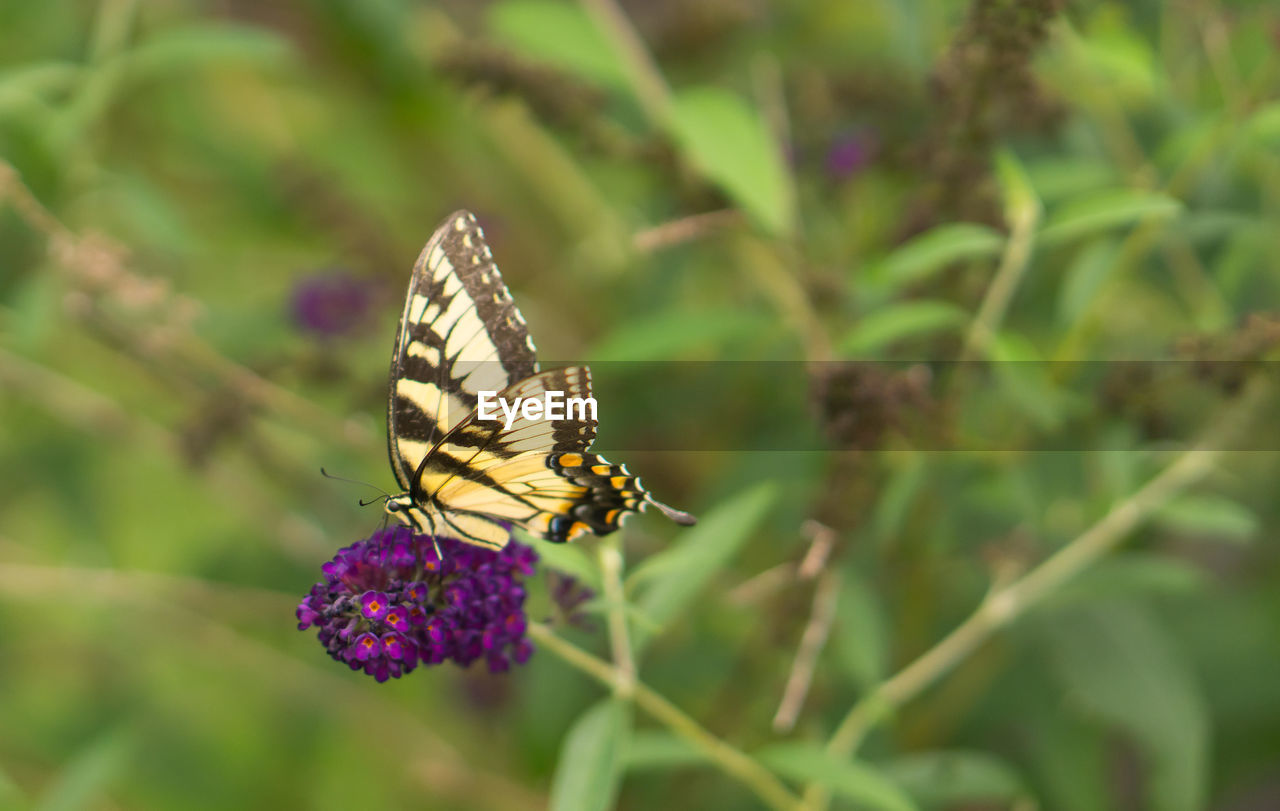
(668, 335)
(860, 635)
(809, 762)
(1193, 140)
(729, 143)
(1120, 668)
(1206, 226)
(930, 252)
(591, 759)
(86, 777)
(565, 558)
(1103, 210)
(1246, 257)
(162, 55)
(1024, 380)
(661, 750)
(1120, 59)
(22, 84)
(1116, 475)
(1057, 176)
(1209, 515)
(561, 34)
(1134, 573)
(111, 29)
(897, 498)
(1262, 128)
(1084, 277)
(951, 778)
(673, 577)
(1069, 759)
(183, 48)
(899, 321)
(1021, 203)
(36, 316)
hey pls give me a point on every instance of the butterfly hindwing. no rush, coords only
(611, 493)
(476, 529)
(459, 333)
(539, 474)
(480, 455)
(493, 468)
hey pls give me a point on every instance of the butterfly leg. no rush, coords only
(427, 527)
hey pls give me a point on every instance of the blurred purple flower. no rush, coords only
(849, 153)
(331, 302)
(569, 597)
(387, 603)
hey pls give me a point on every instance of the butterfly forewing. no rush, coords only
(459, 334)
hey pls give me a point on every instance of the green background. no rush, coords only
(1080, 201)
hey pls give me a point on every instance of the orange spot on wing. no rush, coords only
(570, 459)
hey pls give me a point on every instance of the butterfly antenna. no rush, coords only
(385, 495)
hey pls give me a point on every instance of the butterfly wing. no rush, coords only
(459, 334)
(534, 473)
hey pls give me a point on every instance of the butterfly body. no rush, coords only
(471, 477)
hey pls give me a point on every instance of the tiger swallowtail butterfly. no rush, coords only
(469, 477)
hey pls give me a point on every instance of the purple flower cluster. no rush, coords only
(388, 603)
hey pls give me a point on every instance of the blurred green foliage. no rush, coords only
(1080, 203)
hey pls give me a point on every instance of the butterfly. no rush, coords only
(466, 474)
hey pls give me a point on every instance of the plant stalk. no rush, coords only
(1006, 603)
(619, 638)
(731, 761)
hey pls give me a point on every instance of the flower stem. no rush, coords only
(1023, 216)
(611, 566)
(731, 761)
(1005, 604)
(814, 638)
(772, 267)
(646, 80)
